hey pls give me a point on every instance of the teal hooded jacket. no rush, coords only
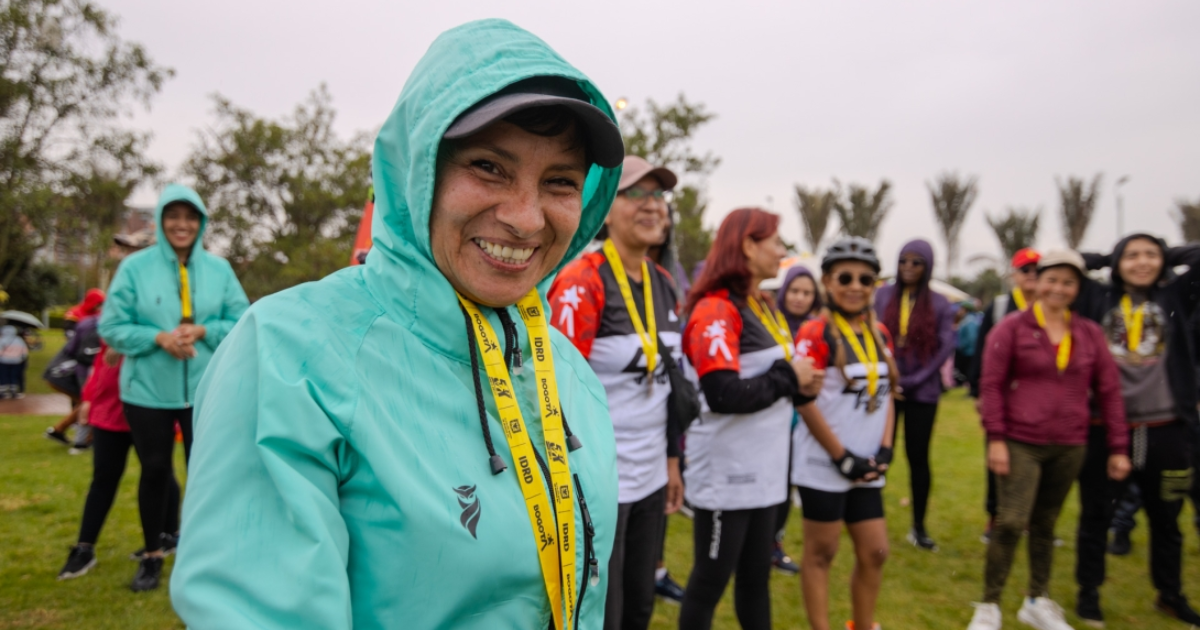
(339, 477)
(144, 300)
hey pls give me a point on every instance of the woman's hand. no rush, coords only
(111, 357)
(174, 345)
(883, 459)
(674, 486)
(998, 457)
(1119, 466)
(811, 379)
(191, 333)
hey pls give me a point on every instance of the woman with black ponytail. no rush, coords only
(923, 323)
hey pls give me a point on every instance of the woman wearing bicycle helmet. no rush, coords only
(844, 446)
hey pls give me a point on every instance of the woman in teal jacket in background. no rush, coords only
(353, 468)
(169, 307)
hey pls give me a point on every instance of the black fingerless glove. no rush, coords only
(884, 456)
(853, 467)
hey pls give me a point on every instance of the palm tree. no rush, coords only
(861, 211)
(1188, 215)
(1016, 229)
(1078, 206)
(815, 207)
(952, 197)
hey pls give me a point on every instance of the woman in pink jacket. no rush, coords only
(1038, 369)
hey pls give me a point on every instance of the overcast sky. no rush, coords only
(1014, 92)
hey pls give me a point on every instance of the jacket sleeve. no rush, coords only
(233, 305)
(576, 301)
(997, 366)
(1106, 385)
(262, 500)
(119, 326)
(726, 392)
(985, 326)
(1188, 284)
(947, 341)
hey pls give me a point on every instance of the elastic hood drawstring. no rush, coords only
(496, 462)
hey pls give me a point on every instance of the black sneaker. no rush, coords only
(1178, 608)
(1087, 606)
(57, 436)
(669, 590)
(921, 540)
(79, 561)
(147, 576)
(1120, 545)
(782, 563)
(169, 543)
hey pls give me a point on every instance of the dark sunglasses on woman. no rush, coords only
(846, 278)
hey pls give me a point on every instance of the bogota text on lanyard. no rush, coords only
(648, 334)
(774, 323)
(869, 358)
(1063, 359)
(555, 544)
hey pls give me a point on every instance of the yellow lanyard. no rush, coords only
(1019, 298)
(649, 337)
(906, 306)
(1133, 322)
(776, 325)
(1064, 347)
(185, 294)
(869, 358)
(557, 556)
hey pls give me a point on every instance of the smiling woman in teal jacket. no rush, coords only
(352, 468)
(169, 307)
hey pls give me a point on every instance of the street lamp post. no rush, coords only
(1120, 206)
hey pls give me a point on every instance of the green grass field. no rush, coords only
(52, 341)
(42, 490)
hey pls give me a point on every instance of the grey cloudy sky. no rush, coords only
(1014, 92)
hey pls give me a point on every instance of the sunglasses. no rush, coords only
(640, 195)
(913, 262)
(846, 279)
(1028, 269)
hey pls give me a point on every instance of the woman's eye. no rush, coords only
(559, 182)
(486, 166)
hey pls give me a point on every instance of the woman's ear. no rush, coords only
(749, 245)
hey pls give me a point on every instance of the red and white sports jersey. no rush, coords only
(586, 306)
(735, 461)
(844, 405)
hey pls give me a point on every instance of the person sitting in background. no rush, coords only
(1040, 368)
(13, 355)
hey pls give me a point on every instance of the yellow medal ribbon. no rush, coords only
(649, 337)
(775, 324)
(869, 357)
(906, 307)
(1134, 320)
(1064, 347)
(1019, 298)
(557, 556)
(185, 294)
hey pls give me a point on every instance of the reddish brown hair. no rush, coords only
(725, 267)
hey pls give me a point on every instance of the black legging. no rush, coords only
(153, 433)
(918, 433)
(110, 451)
(725, 542)
(636, 547)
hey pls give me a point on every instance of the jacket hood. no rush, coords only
(462, 67)
(92, 301)
(922, 248)
(171, 194)
(1119, 250)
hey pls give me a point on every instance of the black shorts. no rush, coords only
(853, 506)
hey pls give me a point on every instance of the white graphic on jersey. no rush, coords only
(570, 299)
(716, 332)
(803, 347)
(671, 316)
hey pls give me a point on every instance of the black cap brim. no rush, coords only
(604, 137)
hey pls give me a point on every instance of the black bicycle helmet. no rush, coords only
(851, 248)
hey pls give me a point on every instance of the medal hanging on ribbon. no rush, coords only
(1063, 358)
(1134, 325)
(775, 324)
(553, 527)
(648, 334)
(868, 357)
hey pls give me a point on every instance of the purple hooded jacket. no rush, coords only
(922, 382)
(781, 297)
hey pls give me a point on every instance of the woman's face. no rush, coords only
(763, 257)
(850, 285)
(800, 296)
(1057, 287)
(1141, 263)
(506, 206)
(912, 267)
(180, 224)
(637, 217)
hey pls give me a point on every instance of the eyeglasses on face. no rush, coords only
(913, 262)
(1028, 269)
(640, 195)
(846, 279)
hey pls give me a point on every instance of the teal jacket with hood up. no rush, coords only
(339, 477)
(144, 300)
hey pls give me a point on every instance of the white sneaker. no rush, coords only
(1042, 613)
(987, 617)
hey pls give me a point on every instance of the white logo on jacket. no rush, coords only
(716, 332)
(570, 300)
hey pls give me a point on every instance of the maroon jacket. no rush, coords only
(1025, 399)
